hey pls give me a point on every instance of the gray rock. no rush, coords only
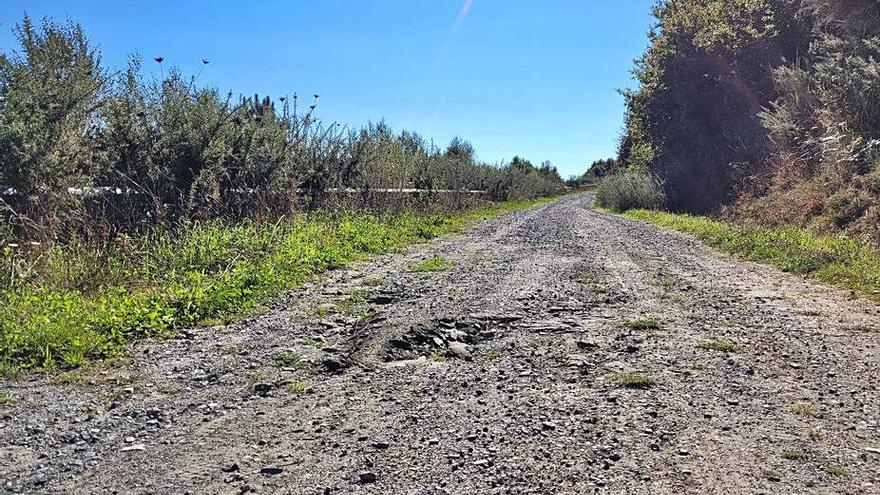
(367, 477)
(458, 350)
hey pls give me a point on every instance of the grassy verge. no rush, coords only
(837, 260)
(84, 302)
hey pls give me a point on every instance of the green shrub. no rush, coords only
(179, 152)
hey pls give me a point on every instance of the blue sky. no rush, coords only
(528, 77)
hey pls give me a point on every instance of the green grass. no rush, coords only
(438, 356)
(803, 409)
(4, 399)
(493, 354)
(834, 470)
(297, 387)
(435, 264)
(836, 259)
(83, 302)
(643, 324)
(634, 380)
(793, 454)
(718, 345)
(288, 359)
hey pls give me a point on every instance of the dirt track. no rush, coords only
(499, 375)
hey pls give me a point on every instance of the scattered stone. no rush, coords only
(271, 470)
(366, 477)
(262, 388)
(230, 468)
(587, 344)
(458, 350)
(134, 448)
(382, 299)
(381, 445)
(400, 344)
(333, 365)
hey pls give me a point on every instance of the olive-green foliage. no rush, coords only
(179, 151)
(772, 102)
(49, 100)
(435, 264)
(706, 75)
(79, 300)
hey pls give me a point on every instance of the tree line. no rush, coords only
(170, 149)
(764, 109)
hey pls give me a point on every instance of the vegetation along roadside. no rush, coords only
(834, 259)
(88, 301)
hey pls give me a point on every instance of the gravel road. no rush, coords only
(566, 351)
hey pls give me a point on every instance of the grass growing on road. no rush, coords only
(837, 260)
(435, 264)
(84, 302)
(718, 345)
(644, 324)
(803, 409)
(634, 380)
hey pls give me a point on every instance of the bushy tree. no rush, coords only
(50, 95)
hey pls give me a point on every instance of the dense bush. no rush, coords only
(754, 103)
(627, 190)
(174, 150)
(693, 121)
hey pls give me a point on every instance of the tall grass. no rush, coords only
(836, 259)
(80, 302)
(625, 190)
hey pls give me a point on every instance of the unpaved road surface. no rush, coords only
(499, 375)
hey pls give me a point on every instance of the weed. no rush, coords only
(771, 474)
(793, 454)
(815, 433)
(316, 342)
(493, 354)
(633, 380)
(590, 281)
(288, 359)
(297, 387)
(803, 409)
(375, 281)
(834, 470)
(439, 355)
(4, 399)
(719, 345)
(257, 376)
(325, 310)
(644, 324)
(435, 264)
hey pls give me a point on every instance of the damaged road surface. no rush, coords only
(556, 350)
